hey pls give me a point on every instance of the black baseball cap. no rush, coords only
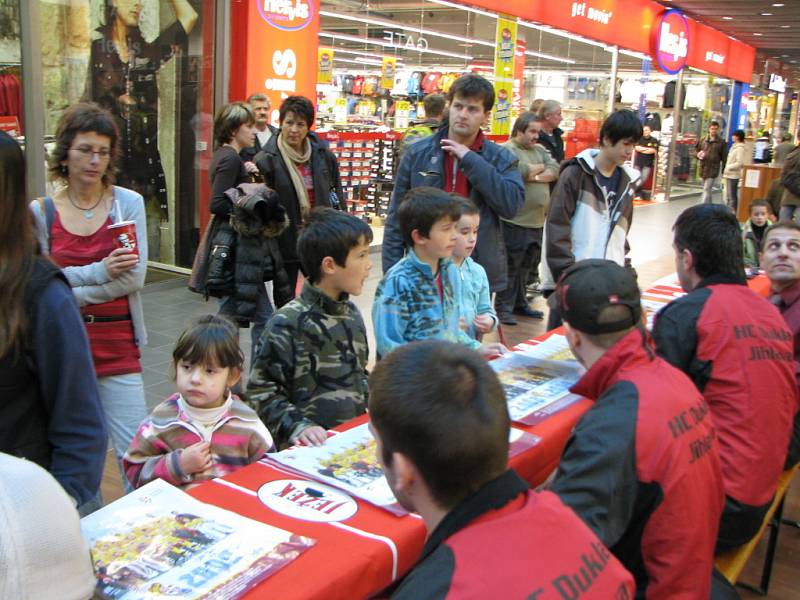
(588, 287)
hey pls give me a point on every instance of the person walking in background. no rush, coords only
(712, 152)
(299, 166)
(263, 129)
(790, 184)
(105, 279)
(523, 233)
(733, 170)
(50, 412)
(645, 158)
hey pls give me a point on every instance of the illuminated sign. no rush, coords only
(285, 14)
(671, 41)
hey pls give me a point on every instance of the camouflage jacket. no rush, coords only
(407, 305)
(311, 368)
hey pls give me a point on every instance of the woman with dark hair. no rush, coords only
(234, 130)
(303, 171)
(105, 279)
(123, 79)
(50, 411)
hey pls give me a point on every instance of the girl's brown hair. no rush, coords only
(18, 247)
(210, 340)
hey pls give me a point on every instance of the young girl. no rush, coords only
(475, 304)
(203, 431)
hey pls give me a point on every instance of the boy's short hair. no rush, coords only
(622, 124)
(443, 407)
(713, 124)
(712, 234)
(421, 207)
(434, 105)
(473, 86)
(331, 233)
(759, 203)
(468, 207)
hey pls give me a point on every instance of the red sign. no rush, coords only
(630, 24)
(671, 41)
(275, 51)
(519, 76)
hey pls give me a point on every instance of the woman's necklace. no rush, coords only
(88, 213)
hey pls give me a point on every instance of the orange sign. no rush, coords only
(629, 25)
(275, 51)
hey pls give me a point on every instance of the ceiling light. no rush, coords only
(357, 53)
(785, 26)
(758, 34)
(569, 61)
(381, 42)
(565, 34)
(766, 14)
(357, 62)
(467, 8)
(777, 4)
(727, 18)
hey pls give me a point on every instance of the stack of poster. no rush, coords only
(348, 461)
(537, 380)
(158, 541)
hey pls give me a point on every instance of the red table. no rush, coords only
(362, 554)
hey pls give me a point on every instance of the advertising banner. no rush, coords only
(324, 65)
(387, 72)
(506, 38)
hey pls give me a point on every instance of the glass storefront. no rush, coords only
(149, 64)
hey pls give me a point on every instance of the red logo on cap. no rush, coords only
(613, 299)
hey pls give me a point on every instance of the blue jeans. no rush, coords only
(122, 397)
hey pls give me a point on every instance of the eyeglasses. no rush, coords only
(89, 152)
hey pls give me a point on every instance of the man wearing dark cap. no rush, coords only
(735, 347)
(642, 466)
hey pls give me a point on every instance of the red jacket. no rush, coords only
(642, 470)
(738, 351)
(509, 542)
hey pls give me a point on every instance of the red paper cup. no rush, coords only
(124, 234)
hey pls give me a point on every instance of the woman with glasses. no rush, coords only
(303, 171)
(105, 279)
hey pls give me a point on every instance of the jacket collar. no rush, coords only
(316, 297)
(631, 351)
(721, 278)
(169, 414)
(791, 294)
(424, 267)
(587, 158)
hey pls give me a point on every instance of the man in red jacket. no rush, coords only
(735, 347)
(642, 466)
(440, 420)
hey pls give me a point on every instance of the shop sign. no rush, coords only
(405, 40)
(324, 65)
(276, 53)
(307, 500)
(402, 111)
(287, 15)
(671, 39)
(777, 83)
(506, 39)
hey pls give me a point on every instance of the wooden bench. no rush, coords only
(732, 563)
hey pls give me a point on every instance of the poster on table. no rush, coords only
(537, 380)
(348, 461)
(158, 541)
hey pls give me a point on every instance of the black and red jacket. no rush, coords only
(642, 470)
(509, 542)
(738, 351)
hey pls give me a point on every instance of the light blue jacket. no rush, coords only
(474, 298)
(407, 305)
(92, 284)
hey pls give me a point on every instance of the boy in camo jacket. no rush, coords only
(310, 370)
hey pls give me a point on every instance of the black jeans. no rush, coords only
(524, 250)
